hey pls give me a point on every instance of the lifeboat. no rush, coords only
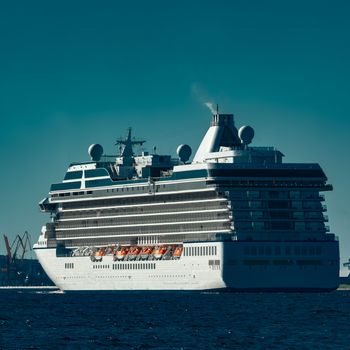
(178, 252)
(99, 254)
(134, 252)
(146, 252)
(159, 252)
(121, 253)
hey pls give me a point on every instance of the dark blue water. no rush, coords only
(43, 320)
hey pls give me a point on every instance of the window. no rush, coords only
(96, 173)
(274, 194)
(294, 194)
(277, 204)
(281, 225)
(253, 194)
(279, 215)
(214, 264)
(73, 175)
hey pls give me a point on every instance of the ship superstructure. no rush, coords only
(236, 217)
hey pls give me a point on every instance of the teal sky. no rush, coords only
(74, 73)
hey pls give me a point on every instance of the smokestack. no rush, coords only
(222, 133)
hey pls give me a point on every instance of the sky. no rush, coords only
(73, 73)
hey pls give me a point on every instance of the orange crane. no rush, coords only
(9, 255)
(16, 252)
(8, 248)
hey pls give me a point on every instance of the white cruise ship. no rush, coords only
(235, 218)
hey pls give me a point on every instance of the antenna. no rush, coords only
(217, 108)
(128, 144)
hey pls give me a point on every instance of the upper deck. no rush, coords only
(223, 155)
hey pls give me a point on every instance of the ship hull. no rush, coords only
(232, 266)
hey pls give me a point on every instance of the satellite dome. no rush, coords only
(95, 151)
(246, 134)
(184, 152)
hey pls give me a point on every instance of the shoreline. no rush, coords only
(29, 287)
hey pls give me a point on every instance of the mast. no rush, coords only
(128, 144)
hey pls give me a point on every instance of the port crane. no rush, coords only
(15, 255)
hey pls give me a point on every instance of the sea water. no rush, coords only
(55, 320)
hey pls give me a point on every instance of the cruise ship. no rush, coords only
(235, 218)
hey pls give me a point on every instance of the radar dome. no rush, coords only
(184, 152)
(95, 151)
(246, 134)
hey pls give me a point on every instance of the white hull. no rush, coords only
(229, 268)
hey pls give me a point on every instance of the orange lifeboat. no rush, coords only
(99, 254)
(178, 252)
(134, 252)
(146, 252)
(121, 253)
(159, 252)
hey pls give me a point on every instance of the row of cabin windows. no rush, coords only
(200, 251)
(311, 250)
(66, 194)
(129, 200)
(271, 183)
(286, 262)
(69, 265)
(134, 266)
(281, 225)
(137, 188)
(189, 217)
(278, 214)
(80, 193)
(275, 194)
(100, 266)
(277, 204)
